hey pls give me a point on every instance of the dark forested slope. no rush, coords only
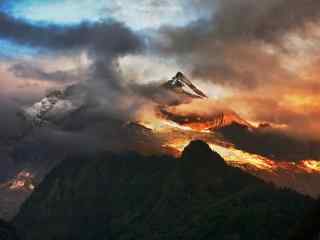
(107, 196)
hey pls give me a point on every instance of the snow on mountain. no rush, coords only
(180, 84)
(216, 121)
(22, 182)
(194, 113)
(55, 105)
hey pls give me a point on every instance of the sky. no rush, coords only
(260, 58)
(137, 15)
(145, 17)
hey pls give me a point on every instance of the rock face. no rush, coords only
(128, 196)
(182, 85)
(56, 105)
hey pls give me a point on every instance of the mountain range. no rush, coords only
(67, 122)
(130, 196)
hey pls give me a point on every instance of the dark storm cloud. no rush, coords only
(237, 20)
(105, 36)
(266, 19)
(10, 121)
(104, 41)
(229, 47)
(27, 71)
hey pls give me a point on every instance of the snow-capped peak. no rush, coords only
(180, 83)
(54, 106)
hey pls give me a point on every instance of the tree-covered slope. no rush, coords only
(7, 231)
(107, 196)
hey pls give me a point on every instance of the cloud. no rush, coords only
(268, 20)
(28, 71)
(146, 14)
(58, 11)
(265, 20)
(106, 37)
(104, 42)
(150, 14)
(239, 33)
(243, 45)
(260, 51)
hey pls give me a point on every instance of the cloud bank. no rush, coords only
(265, 51)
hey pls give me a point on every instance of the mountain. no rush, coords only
(271, 143)
(213, 122)
(129, 196)
(60, 106)
(15, 191)
(60, 124)
(68, 121)
(22, 182)
(264, 140)
(7, 231)
(309, 226)
(182, 92)
(55, 105)
(180, 84)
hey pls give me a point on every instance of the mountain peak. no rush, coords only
(55, 105)
(201, 151)
(197, 147)
(181, 84)
(199, 164)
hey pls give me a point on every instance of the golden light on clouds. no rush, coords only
(301, 103)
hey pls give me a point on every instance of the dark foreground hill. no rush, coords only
(309, 228)
(7, 231)
(129, 196)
